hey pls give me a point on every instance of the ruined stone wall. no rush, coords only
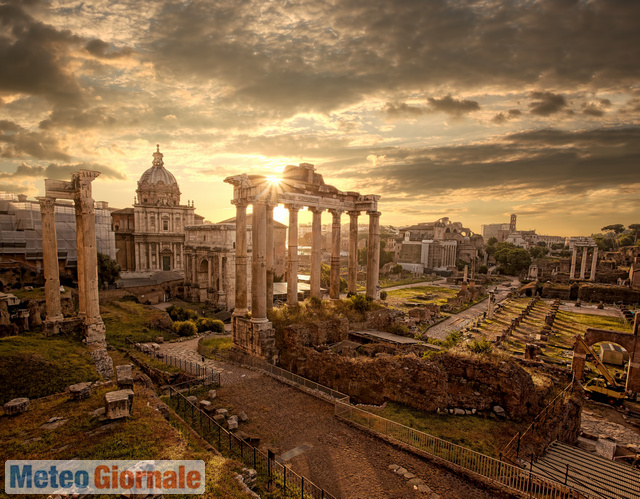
(608, 294)
(448, 382)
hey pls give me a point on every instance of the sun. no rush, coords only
(273, 179)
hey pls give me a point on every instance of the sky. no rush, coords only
(467, 109)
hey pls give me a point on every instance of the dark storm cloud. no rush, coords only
(509, 115)
(98, 117)
(21, 142)
(550, 160)
(547, 103)
(447, 105)
(33, 57)
(319, 56)
(60, 171)
(104, 50)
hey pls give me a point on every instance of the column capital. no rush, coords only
(354, 213)
(47, 204)
(294, 207)
(336, 213)
(374, 213)
(315, 209)
(240, 203)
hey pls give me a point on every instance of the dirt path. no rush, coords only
(343, 460)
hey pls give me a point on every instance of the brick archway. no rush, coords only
(629, 341)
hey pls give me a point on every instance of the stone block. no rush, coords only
(243, 417)
(116, 404)
(459, 412)
(222, 412)
(204, 405)
(393, 467)
(401, 471)
(16, 406)
(80, 391)
(232, 424)
(159, 340)
(219, 418)
(212, 394)
(193, 400)
(124, 376)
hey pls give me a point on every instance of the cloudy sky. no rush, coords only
(467, 109)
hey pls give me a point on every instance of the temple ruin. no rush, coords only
(299, 187)
(586, 244)
(79, 191)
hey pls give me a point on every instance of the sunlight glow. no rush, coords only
(272, 179)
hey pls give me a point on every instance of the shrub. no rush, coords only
(207, 324)
(185, 328)
(181, 314)
(481, 345)
(483, 269)
(399, 329)
(383, 295)
(452, 339)
(361, 303)
(396, 269)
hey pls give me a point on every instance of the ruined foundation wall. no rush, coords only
(448, 382)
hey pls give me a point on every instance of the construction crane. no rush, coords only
(613, 392)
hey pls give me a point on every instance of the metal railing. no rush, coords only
(228, 444)
(512, 450)
(305, 384)
(211, 376)
(498, 472)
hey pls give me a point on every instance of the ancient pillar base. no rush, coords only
(52, 326)
(104, 363)
(94, 332)
(222, 299)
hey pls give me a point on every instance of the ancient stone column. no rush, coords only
(574, 257)
(292, 262)
(270, 256)
(466, 273)
(334, 287)
(209, 272)
(373, 257)
(158, 266)
(583, 263)
(83, 181)
(82, 306)
(50, 259)
(137, 257)
(316, 252)
(241, 260)
(194, 268)
(594, 264)
(258, 263)
(490, 306)
(353, 252)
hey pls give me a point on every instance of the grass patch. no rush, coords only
(129, 319)
(145, 435)
(35, 366)
(479, 433)
(218, 344)
(388, 283)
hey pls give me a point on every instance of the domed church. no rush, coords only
(150, 237)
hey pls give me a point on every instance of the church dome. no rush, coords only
(157, 185)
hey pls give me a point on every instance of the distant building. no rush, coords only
(210, 260)
(437, 245)
(21, 231)
(150, 236)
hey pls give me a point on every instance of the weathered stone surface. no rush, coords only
(193, 400)
(53, 423)
(164, 410)
(80, 391)
(104, 363)
(124, 376)
(401, 471)
(409, 475)
(222, 412)
(16, 406)
(219, 418)
(212, 394)
(232, 424)
(393, 467)
(204, 405)
(459, 412)
(243, 417)
(414, 481)
(116, 404)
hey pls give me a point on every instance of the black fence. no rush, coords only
(273, 473)
(208, 375)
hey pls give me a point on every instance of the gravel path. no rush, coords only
(343, 460)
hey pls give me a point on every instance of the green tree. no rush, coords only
(483, 269)
(635, 229)
(513, 260)
(538, 251)
(325, 278)
(615, 228)
(492, 241)
(108, 270)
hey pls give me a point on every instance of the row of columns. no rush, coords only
(262, 264)
(144, 252)
(87, 256)
(583, 262)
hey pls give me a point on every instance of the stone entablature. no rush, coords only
(300, 187)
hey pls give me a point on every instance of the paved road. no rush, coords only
(462, 319)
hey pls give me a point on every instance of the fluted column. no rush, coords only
(270, 256)
(594, 264)
(353, 252)
(292, 262)
(82, 306)
(241, 260)
(373, 257)
(50, 259)
(258, 263)
(583, 263)
(316, 252)
(574, 257)
(89, 247)
(334, 286)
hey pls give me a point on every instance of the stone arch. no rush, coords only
(629, 341)
(202, 272)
